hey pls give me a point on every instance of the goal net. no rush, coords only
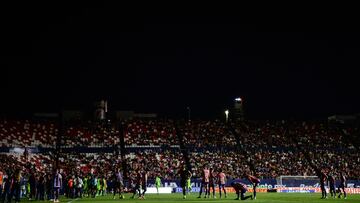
(298, 181)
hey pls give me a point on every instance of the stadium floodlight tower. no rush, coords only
(238, 109)
(101, 108)
(226, 115)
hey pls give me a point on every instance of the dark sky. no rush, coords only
(164, 63)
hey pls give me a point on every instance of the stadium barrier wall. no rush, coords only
(266, 185)
(313, 190)
(228, 190)
(282, 190)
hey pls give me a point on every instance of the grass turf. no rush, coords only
(172, 198)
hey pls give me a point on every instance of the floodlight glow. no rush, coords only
(227, 115)
(238, 99)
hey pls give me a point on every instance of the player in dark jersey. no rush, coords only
(57, 185)
(240, 190)
(342, 185)
(118, 183)
(132, 183)
(144, 179)
(92, 184)
(212, 180)
(254, 181)
(323, 179)
(7, 182)
(138, 182)
(205, 180)
(184, 176)
(15, 187)
(331, 184)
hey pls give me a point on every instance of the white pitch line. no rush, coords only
(73, 200)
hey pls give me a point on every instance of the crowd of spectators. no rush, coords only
(93, 134)
(320, 135)
(44, 133)
(233, 164)
(268, 148)
(39, 162)
(338, 161)
(21, 133)
(150, 132)
(213, 134)
(164, 163)
(24, 175)
(279, 147)
(100, 163)
(263, 134)
(272, 164)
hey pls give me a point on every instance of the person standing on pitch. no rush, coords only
(1, 181)
(221, 178)
(78, 182)
(205, 180)
(32, 183)
(138, 181)
(57, 185)
(15, 186)
(212, 181)
(331, 183)
(323, 179)
(188, 183)
(254, 181)
(184, 176)
(157, 183)
(144, 182)
(118, 184)
(7, 180)
(342, 185)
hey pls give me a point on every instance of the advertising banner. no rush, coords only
(353, 186)
(162, 190)
(228, 190)
(313, 190)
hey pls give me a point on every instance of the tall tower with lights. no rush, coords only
(238, 109)
(101, 108)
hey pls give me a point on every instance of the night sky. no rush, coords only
(163, 64)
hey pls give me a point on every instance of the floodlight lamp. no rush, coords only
(238, 99)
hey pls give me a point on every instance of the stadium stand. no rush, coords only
(93, 134)
(165, 163)
(150, 132)
(207, 134)
(267, 149)
(23, 133)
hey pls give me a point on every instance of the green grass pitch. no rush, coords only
(172, 198)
